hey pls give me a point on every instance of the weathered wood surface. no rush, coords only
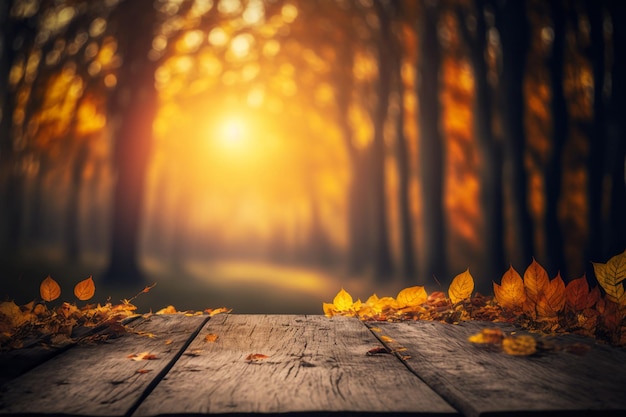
(480, 382)
(101, 379)
(314, 365)
(17, 362)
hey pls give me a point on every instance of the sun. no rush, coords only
(232, 133)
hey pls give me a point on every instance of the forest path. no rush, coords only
(248, 287)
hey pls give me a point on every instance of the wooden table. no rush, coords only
(312, 365)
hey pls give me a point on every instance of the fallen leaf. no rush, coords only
(85, 289)
(210, 338)
(256, 357)
(510, 293)
(552, 300)
(411, 297)
(461, 287)
(487, 336)
(577, 294)
(143, 371)
(49, 289)
(523, 345)
(167, 310)
(610, 277)
(168, 341)
(343, 301)
(377, 351)
(386, 339)
(143, 356)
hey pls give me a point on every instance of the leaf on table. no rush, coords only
(510, 293)
(143, 371)
(85, 289)
(386, 339)
(411, 297)
(211, 338)
(256, 357)
(49, 289)
(611, 275)
(143, 356)
(214, 311)
(461, 287)
(377, 351)
(487, 336)
(523, 345)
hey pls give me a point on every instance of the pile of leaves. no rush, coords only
(534, 302)
(38, 322)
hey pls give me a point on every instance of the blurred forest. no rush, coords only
(391, 141)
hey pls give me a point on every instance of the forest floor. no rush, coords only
(251, 287)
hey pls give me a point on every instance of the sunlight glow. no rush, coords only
(232, 134)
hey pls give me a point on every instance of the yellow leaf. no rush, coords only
(461, 287)
(49, 289)
(85, 289)
(487, 336)
(343, 301)
(329, 309)
(611, 275)
(510, 293)
(411, 297)
(519, 345)
(167, 310)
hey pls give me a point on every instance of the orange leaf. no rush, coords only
(552, 300)
(167, 310)
(256, 357)
(487, 336)
(536, 282)
(461, 287)
(85, 289)
(210, 337)
(49, 289)
(143, 356)
(143, 371)
(510, 293)
(577, 294)
(411, 297)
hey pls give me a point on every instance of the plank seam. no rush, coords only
(159, 377)
(398, 356)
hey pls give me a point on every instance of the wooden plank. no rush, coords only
(480, 382)
(19, 361)
(101, 379)
(315, 365)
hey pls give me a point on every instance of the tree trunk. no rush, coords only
(560, 123)
(616, 134)
(512, 23)
(596, 245)
(431, 160)
(73, 213)
(490, 169)
(134, 105)
(404, 181)
(381, 256)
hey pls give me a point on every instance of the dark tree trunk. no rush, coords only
(73, 214)
(133, 106)
(512, 23)
(490, 170)
(431, 160)
(560, 123)
(616, 136)
(404, 182)
(596, 247)
(382, 257)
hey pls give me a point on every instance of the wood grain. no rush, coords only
(314, 365)
(480, 382)
(101, 379)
